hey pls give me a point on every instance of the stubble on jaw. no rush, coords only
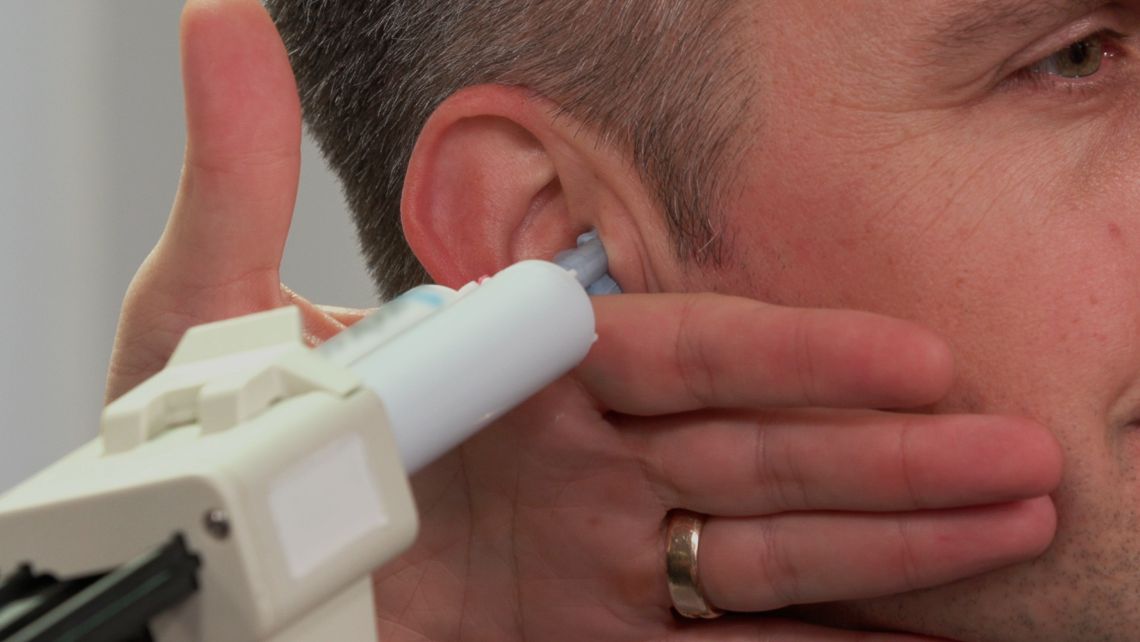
(1085, 588)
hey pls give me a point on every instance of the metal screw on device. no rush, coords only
(217, 523)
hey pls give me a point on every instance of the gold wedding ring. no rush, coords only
(681, 570)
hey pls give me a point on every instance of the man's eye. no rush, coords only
(1079, 60)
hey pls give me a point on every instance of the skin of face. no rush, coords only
(896, 169)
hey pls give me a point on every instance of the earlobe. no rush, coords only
(484, 186)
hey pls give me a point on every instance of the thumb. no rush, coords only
(220, 253)
(235, 201)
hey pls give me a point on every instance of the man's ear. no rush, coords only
(498, 175)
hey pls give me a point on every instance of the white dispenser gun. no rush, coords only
(273, 475)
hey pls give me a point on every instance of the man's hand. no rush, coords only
(549, 525)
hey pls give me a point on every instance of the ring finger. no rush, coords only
(765, 563)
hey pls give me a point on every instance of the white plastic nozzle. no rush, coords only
(468, 363)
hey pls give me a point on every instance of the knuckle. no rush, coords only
(776, 571)
(776, 472)
(693, 367)
(654, 468)
(907, 560)
(908, 465)
(804, 361)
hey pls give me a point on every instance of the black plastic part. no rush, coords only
(113, 607)
(25, 597)
(23, 583)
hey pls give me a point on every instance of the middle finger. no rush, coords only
(745, 463)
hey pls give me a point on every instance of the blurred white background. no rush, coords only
(91, 138)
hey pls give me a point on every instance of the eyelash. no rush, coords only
(1030, 78)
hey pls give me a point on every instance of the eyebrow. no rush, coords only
(970, 23)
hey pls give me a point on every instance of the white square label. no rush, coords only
(325, 502)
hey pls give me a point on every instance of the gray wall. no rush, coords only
(91, 138)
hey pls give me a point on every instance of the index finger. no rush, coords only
(660, 354)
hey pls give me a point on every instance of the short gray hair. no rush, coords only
(661, 78)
